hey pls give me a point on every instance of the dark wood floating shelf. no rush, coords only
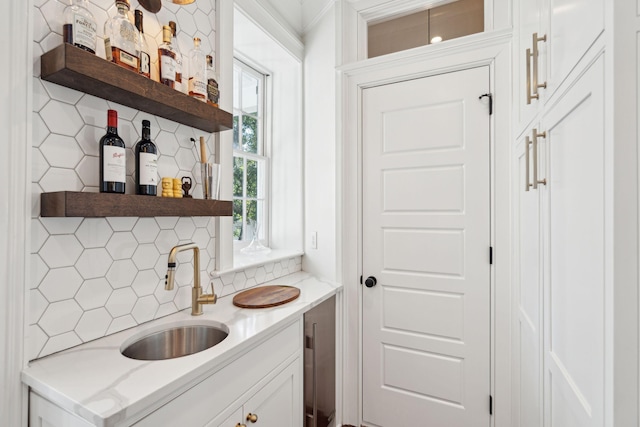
(79, 204)
(77, 69)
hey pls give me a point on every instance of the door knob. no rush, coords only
(370, 282)
(252, 417)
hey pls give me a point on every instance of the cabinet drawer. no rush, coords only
(207, 399)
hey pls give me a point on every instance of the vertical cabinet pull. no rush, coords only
(534, 136)
(534, 143)
(532, 56)
(527, 143)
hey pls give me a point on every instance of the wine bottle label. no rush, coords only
(178, 78)
(114, 164)
(128, 59)
(84, 31)
(145, 63)
(148, 169)
(212, 91)
(167, 68)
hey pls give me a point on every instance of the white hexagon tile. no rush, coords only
(97, 276)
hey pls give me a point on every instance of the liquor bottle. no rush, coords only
(146, 163)
(213, 94)
(179, 60)
(167, 59)
(113, 173)
(197, 72)
(144, 61)
(121, 38)
(80, 26)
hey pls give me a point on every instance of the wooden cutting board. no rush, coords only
(266, 296)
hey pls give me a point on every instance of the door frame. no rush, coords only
(491, 49)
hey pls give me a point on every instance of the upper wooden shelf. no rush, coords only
(77, 69)
(92, 205)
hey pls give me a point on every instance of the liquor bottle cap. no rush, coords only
(196, 41)
(210, 60)
(124, 2)
(112, 118)
(172, 25)
(146, 123)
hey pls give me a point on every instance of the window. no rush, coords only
(250, 163)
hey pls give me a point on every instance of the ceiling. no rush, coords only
(300, 15)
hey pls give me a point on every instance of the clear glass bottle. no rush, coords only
(213, 94)
(179, 60)
(167, 59)
(121, 38)
(144, 62)
(197, 72)
(146, 163)
(80, 26)
(113, 172)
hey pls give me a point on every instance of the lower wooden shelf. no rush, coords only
(79, 204)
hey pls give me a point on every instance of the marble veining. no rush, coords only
(96, 382)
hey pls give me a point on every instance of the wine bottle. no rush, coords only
(80, 26)
(146, 163)
(113, 173)
(213, 94)
(197, 72)
(144, 63)
(167, 59)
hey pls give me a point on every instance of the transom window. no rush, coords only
(250, 162)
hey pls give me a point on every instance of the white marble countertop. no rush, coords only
(96, 382)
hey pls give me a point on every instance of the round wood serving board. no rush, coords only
(266, 296)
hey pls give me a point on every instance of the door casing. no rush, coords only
(489, 49)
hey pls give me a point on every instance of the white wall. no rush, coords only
(320, 146)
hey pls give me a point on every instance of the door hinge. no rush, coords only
(361, 280)
(490, 96)
(490, 405)
(490, 254)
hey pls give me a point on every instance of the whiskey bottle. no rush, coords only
(121, 38)
(213, 95)
(179, 60)
(144, 62)
(113, 172)
(167, 59)
(80, 26)
(197, 72)
(146, 163)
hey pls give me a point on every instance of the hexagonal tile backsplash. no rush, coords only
(93, 277)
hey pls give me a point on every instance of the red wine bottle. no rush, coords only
(146, 163)
(113, 171)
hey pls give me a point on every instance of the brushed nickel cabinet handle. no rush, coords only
(252, 417)
(527, 143)
(530, 96)
(535, 135)
(535, 55)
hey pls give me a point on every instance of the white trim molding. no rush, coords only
(15, 90)
(494, 50)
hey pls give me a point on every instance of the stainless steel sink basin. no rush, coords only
(175, 342)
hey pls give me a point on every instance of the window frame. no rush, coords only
(263, 117)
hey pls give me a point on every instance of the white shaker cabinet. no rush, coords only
(559, 364)
(551, 37)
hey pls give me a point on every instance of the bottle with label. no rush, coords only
(179, 60)
(144, 62)
(121, 38)
(113, 172)
(80, 26)
(197, 72)
(213, 95)
(146, 163)
(167, 59)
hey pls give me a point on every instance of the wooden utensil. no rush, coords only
(266, 296)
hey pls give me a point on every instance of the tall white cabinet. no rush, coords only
(560, 201)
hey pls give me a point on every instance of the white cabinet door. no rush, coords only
(528, 291)
(279, 403)
(574, 279)
(43, 413)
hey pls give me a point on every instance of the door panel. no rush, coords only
(574, 279)
(426, 237)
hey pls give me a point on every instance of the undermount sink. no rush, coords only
(175, 342)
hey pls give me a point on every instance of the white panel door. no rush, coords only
(574, 281)
(426, 238)
(528, 296)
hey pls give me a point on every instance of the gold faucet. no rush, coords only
(197, 297)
